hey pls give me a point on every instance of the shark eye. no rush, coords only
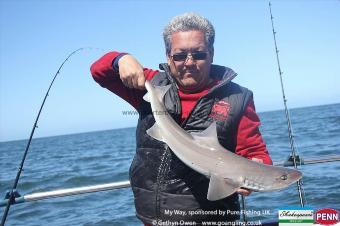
(284, 177)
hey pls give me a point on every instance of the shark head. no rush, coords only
(284, 178)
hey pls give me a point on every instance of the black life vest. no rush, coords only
(160, 181)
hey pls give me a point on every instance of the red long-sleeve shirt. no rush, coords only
(249, 142)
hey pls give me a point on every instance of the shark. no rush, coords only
(202, 152)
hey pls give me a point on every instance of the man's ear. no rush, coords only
(168, 58)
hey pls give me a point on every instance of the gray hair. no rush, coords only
(189, 22)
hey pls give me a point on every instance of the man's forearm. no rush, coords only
(103, 72)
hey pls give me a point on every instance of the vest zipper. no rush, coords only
(160, 178)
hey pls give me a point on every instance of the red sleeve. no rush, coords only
(249, 142)
(103, 73)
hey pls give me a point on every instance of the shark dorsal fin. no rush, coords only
(207, 137)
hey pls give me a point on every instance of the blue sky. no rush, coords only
(36, 36)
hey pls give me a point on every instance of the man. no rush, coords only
(200, 94)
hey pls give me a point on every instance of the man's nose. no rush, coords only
(189, 60)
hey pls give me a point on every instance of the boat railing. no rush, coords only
(122, 184)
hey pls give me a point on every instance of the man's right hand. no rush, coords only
(131, 72)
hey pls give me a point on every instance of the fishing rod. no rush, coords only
(125, 184)
(293, 155)
(12, 194)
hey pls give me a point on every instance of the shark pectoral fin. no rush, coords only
(219, 188)
(155, 132)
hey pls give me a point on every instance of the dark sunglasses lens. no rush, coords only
(195, 56)
(179, 57)
(199, 56)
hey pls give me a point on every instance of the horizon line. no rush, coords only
(128, 127)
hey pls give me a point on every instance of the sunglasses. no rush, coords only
(194, 55)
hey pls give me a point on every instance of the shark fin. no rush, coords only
(219, 188)
(146, 97)
(207, 137)
(155, 132)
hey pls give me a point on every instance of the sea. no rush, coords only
(103, 157)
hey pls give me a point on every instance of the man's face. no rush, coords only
(191, 73)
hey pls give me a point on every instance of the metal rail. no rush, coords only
(68, 192)
(122, 184)
(333, 158)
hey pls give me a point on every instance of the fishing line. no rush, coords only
(294, 157)
(12, 194)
